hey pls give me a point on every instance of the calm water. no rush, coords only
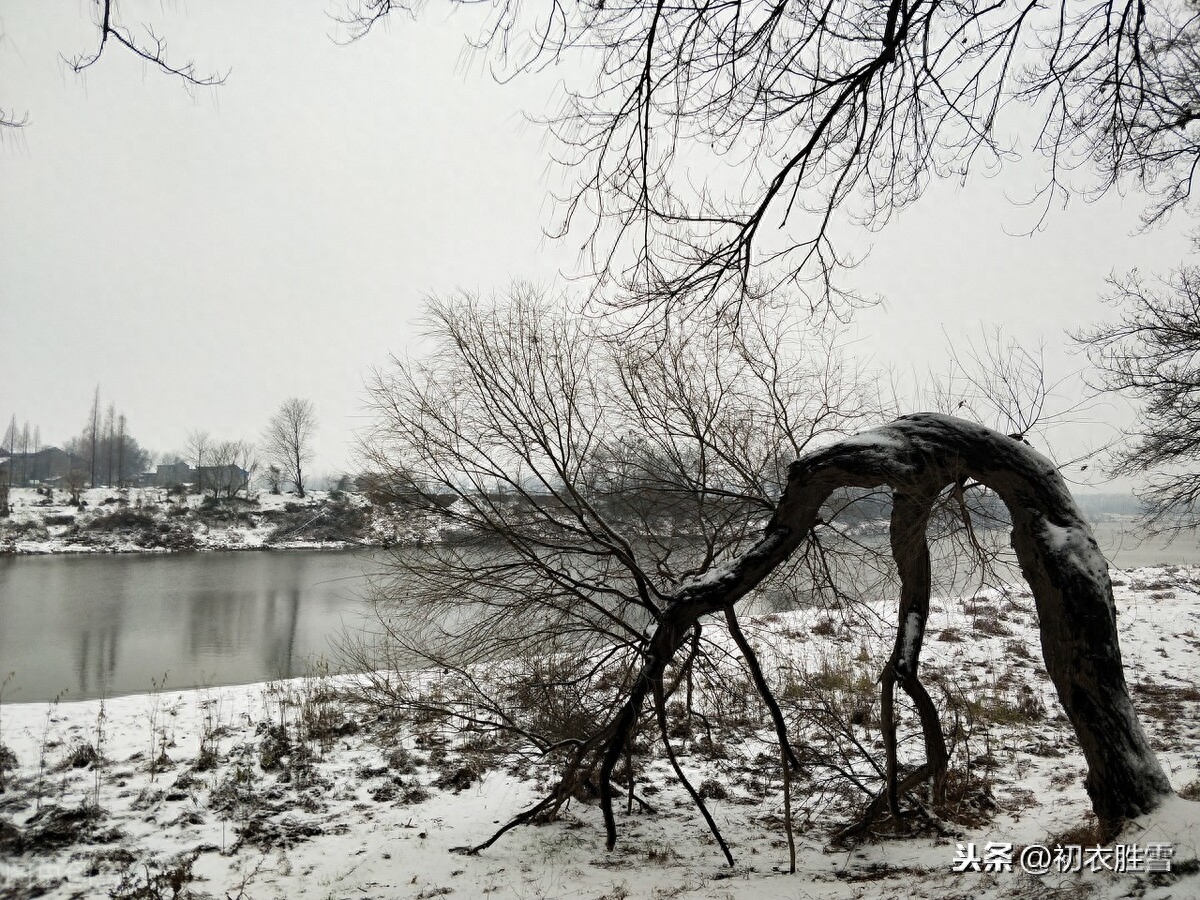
(90, 626)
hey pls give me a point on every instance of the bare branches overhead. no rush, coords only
(722, 145)
(151, 48)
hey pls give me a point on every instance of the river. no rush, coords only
(85, 626)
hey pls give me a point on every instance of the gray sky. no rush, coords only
(203, 256)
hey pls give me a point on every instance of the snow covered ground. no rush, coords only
(287, 789)
(141, 520)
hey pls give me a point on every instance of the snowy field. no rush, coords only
(289, 789)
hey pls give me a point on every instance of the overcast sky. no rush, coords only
(202, 256)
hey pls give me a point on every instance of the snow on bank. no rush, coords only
(283, 790)
(151, 520)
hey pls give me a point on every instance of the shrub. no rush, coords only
(121, 519)
(335, 521)
(32, 531)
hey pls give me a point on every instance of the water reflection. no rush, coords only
(280, 627)
(107, 625)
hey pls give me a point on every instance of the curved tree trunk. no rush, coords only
(921, 455)
(918, 456)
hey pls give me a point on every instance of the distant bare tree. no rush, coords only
(274, 476)
(120, 440)
(6, 467)
(246, 459)
(109, 442)
(92, 436)
(8, 474)
(287, 439)
(75, 480)
(229, 469)
(199, 446)
(25, 460)
(11, 441)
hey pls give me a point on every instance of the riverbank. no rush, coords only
(296, 788)
(153, 520)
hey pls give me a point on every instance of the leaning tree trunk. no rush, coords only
(918, 456)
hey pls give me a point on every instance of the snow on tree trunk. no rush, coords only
(919, 455)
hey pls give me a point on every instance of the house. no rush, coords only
(170, 475)
(224, 480)
(46, 465)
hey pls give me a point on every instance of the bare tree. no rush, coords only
(577, 480)
(287, 439)
(199, 447)
(246, 462)
(9, 464)
(92, 435)
(611, 503)
(918, 456)
(25, 460)
(1151, 353)
(9, 443)
(120, 441)
(75, 480)
(110, 443)
(229, 468)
